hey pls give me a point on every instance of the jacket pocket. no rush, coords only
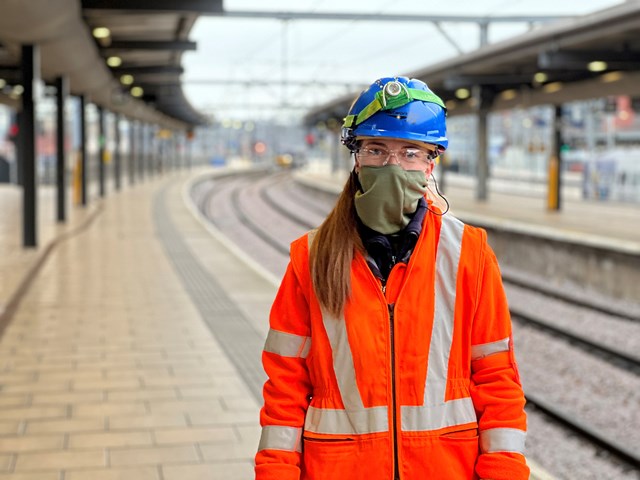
(346, 458)
(451, 456)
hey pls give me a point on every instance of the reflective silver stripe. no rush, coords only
(343, 361)
(502, 440)
(352, 422)
(280, 438)
(434, 417)
(486, 349)
(287, 344)
(355, 418)
(435, 413)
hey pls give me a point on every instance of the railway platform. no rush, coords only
(108, 365)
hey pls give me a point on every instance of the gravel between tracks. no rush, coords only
(613, 332)
(601, 395)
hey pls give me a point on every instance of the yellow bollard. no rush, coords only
(552, 187)
(77, 180)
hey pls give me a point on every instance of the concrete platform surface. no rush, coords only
(108, 368)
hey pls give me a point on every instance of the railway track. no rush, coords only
(278, 194)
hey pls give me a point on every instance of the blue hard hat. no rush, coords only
(397, 107)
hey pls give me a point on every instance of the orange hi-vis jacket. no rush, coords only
(416, 380)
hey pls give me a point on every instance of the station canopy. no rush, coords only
(313, 56)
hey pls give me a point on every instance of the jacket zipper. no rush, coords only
(396, 462)
(394, 401)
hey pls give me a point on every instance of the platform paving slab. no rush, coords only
(108, 370)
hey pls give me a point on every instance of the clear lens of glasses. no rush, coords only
(381, 156)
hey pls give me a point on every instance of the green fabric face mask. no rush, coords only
(390, 196)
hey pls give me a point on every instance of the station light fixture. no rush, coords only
(597, 66)
(101, 32)
(126, 79)
(552, 87)
(509, 94)
(610, 77)
(451, 104)
(3, 83)
(540, 77)
(137, 91)
(114, 61)
(463, 93)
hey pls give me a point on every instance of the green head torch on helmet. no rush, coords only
(397, 107)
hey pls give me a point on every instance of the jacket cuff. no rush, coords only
(502, 466)
(277, 471)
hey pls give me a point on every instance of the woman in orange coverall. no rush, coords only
(390, 353)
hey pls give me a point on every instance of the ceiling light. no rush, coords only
(597, 66)
(611, 77)
(509, 94)
(552, 87)
(463, 93)
(126, 79)
(3, 82)
(114, 61)
(101, 32)
(540, 77)
(137, 91)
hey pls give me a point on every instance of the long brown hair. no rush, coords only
(332, 251)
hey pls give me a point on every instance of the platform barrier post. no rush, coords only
(553, 184)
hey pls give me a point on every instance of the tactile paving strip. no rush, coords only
(239, 340)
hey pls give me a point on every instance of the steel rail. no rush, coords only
(548, 291)
(588, 432)
(614, 356)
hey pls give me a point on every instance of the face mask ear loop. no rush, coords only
(441, 196)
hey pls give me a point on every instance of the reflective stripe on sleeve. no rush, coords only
(287, 344)
(486, 349)
(280, 438)
(352, 422)
(502, 440)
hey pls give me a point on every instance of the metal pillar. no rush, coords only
(83, 151)
(176, 149)
(62, 92)
(117, 158)
(555, 164)
(188, 150)
(141, 151)
(17, 139)
(335, 151)
(132, 152)
(483, 98)
(30, 73)
(101, 150)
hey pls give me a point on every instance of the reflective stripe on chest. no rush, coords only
(434, 413)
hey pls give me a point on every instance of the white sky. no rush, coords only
(344, 52)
